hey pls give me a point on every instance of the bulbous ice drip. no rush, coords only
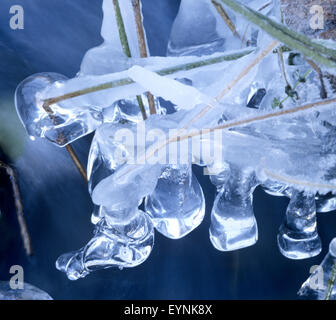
(121, 239)
(233, 225)
(321, 283)
(177, 205)
(298, 237)
(60, 126)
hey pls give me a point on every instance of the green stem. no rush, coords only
(126, 48)
(162, 72)
(331, 282)
(296, 84)
(292, 39)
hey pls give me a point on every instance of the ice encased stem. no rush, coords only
(177, 205)
(55, 123)
(298, 237)
(321, 283)
(233, 225)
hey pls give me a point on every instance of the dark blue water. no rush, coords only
(57, 205)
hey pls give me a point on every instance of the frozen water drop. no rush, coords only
(177, 204)
(55, 123)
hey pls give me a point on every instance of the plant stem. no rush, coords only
(163, 72)
(142, 47)
(323, 92)
(296, 85)
(19, 208)
(226, 18)
(76, 161)
(292, 39)
(331, 282)
(126, 48)
(121, 29)
(68, 147)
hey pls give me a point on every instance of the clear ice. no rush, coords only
(298, 237)
(287, 155)
(233, 225)
(121, 239)
(177, 205)
(58, 125)
(321, 284)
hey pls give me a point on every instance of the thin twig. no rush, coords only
(283, 68)
(331, 282)
(142, 47)
(207, 108)
(163, 72)
(19, 208)
(61, 140)
(226, 18)
(126, 48)
(76, 161)
(323, 92)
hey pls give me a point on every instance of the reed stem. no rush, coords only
(19, 208)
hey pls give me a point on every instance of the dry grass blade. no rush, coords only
(19, 208)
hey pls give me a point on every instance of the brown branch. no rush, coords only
(19, 208)
(323, 91)
(62, 140)
(226, 18)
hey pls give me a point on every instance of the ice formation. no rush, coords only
(237, 93)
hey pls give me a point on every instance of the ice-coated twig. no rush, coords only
(142, 47)
(76, 161)
(331, 282)
(68, 147)
(292, 39)
(323, 92)
(243, 122)
(226, 18)
(121, 29)
(19, 208)
(126, 48)
(163, 72)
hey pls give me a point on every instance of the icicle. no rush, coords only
(233, 225)
(298, 237)
(177, 205)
